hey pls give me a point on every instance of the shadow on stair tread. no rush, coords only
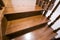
(41, 33)
(22, 32)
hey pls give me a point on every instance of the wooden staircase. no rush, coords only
(45, 32)
(27, 25)
(24, 23)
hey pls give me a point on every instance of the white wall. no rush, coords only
(23, 4)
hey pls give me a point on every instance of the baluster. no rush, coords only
(41, 3)
(45, 4)
(54, 21)
(53, 10)
(47, 8)
(56, 30)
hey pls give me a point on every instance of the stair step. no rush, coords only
(24, 23)
(11, 8)
(44, 33)
(22, 15)
(12, 12)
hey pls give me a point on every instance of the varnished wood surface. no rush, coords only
(11, 9)
(20, 24)
(44, 33)
(1, 16)
(2, 13)
(49, 37)
(22, 15)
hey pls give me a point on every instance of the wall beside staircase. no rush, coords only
(24, 4)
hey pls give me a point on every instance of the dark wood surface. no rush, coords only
(24, 23)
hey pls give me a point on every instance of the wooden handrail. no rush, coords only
(47, 9)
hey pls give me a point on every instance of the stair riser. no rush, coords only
(22, 15)
(21, 32)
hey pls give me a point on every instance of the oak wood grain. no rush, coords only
(10, 8)
(24, 23)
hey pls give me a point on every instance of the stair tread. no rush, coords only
(44, 33)
(24, 23)
(10, 8)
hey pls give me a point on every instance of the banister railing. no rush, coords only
(54, 10)
(50, 3)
